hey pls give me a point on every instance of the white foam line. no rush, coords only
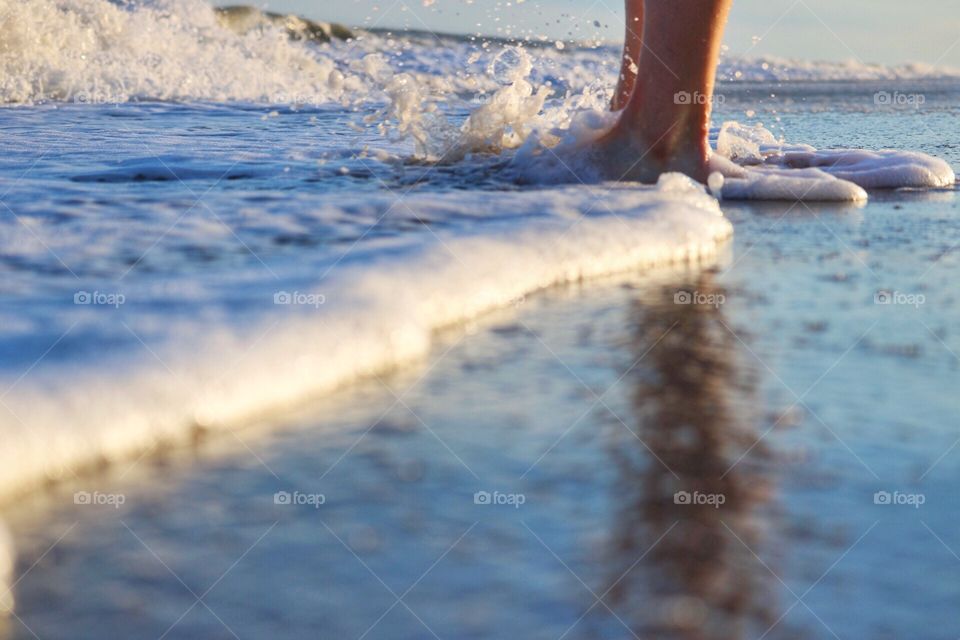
(378, 315)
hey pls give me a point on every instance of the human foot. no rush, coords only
(624, 153)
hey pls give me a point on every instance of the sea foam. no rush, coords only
(376, 314)
(757, 166)
(527, 98)
(108, 51)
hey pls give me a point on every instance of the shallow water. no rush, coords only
(816, 369)
(589, 404)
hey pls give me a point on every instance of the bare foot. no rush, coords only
(625, 154)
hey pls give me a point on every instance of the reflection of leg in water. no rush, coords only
(692, 416)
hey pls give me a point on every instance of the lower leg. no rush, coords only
(665, 123)
(630, 60)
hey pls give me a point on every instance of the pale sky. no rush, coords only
(886, 31)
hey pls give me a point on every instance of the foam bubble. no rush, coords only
(715, 184)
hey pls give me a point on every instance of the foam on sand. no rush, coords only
(756, 166)
(885, 169)
(733, 182)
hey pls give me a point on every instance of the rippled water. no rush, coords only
(790, 392)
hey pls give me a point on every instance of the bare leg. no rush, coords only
(665, 124)
(630, 60)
